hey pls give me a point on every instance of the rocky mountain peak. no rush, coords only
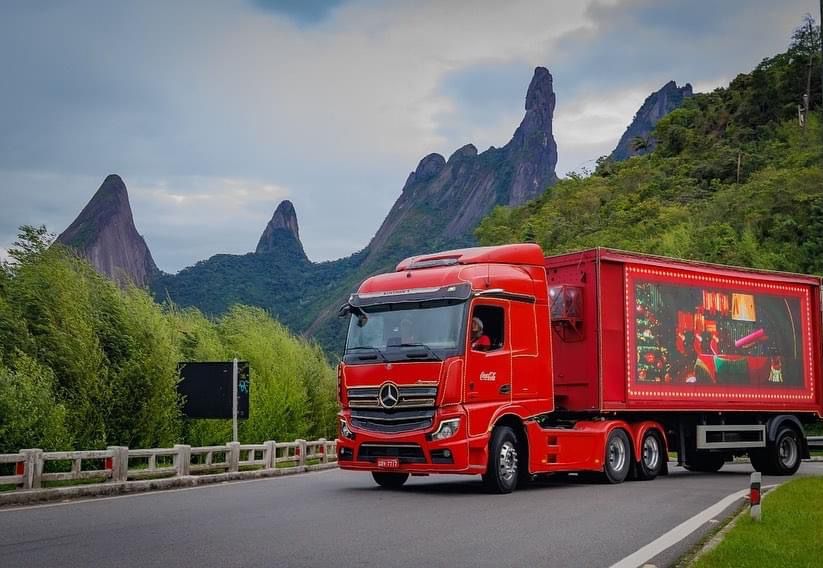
(467, 151)
(105, 234)
(281, 231)
(443, 201)
(637, 140)
(540, 96)
(532, 148)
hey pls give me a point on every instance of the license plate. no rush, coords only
(388, 463)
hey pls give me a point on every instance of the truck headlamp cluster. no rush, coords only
(344, 430)
(447, 429)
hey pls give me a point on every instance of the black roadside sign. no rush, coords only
(206, 388)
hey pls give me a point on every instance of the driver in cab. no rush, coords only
(480, 341)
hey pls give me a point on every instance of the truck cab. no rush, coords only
(420, 391)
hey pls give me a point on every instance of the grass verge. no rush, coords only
(789, 535)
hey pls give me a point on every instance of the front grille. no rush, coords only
(392, 421)
(406, 453)
(410, 397)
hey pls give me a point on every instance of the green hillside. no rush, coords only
(689, 198)
(84, 364)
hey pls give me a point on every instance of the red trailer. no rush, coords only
(598, 360)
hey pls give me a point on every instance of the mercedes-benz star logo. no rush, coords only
(389, 395)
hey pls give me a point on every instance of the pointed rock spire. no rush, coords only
(532, 147)
(105, 234)
(282, 231)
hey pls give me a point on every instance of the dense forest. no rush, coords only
(735, 178)
(84, 364)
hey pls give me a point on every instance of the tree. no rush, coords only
(31, 242)
(639, 144)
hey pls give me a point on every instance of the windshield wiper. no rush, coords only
(423, 345)
(370, 347)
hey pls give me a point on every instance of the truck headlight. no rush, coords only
(344, 430)
(447, 429)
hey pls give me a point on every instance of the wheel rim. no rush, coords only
(507, 461)
(617, 454)
(787, 451)
(651, 452)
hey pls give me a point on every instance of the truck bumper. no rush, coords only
(415, 451)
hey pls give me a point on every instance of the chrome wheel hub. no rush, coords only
(507, 461)
(651, 453)
(617, 454)
(787, 451)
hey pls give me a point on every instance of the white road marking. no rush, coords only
(156, 491)
(680, 532)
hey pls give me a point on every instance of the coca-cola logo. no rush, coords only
(488, 376)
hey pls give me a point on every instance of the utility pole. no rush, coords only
(234, 401)
(807, 97)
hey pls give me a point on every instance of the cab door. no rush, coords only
(488, 384)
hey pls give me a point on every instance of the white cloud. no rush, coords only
(589, 127)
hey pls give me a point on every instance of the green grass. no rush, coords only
(790, 534)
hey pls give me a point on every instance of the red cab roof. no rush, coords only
(523, 254)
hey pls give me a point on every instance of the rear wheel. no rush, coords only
(502, 472)
(652, 457)
(389, 480)
(784, 457)
(618, 457)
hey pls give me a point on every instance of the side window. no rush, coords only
(487, 328)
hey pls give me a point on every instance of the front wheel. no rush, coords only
(618, 457)
(502, 472)
(389, 480)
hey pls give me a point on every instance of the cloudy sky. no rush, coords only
(213, 111)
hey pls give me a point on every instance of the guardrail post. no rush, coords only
(33, 471)
(119, 463)
(182, 459)
(234, 456)
(325, 454)
(269, 454)
(302, 448)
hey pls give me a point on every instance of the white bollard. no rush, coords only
(754, 496)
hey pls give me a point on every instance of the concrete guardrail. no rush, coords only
(117, 464)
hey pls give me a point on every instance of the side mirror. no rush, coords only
(348, 309)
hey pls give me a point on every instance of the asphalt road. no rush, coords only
(339, 519)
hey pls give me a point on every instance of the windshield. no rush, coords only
(399, 331)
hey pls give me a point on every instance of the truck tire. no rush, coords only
(652, 457)
(389, 480)
(784, 457)
(502, 472)
(706, 462)
(618, 457)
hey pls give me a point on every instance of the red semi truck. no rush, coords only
(500, 362)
